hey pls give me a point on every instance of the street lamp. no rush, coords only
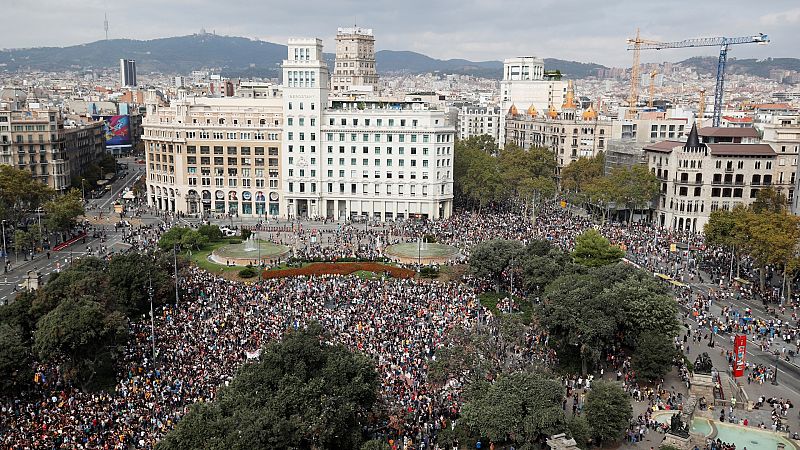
(775, 375)
(5, 253)
(83, 190)
(152, 322)
(39, 214)
(175, 255)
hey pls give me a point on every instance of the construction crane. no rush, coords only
(701, 106)
(722, 42)
(652, 88)
(633, 96)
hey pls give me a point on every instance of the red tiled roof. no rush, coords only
(728, 132)
(771, 106)
(663, 146)
(738, 119)
(741, 150)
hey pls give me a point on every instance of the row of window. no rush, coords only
(232, 182)
(219, 150)
(232, 161)
(378, 189)
(365, 174)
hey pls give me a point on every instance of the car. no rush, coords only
(139, 161)
(227, 231)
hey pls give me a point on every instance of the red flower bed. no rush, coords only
(339, 269)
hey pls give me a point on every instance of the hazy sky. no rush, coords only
(472, 29)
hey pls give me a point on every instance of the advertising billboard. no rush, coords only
(117, 130)
(739, 351)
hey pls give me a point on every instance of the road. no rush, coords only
(58, 260)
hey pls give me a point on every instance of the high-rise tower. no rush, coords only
(355, 61)
(127, 72)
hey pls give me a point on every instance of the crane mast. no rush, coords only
(722, 42)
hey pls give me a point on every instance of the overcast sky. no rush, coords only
(472, 29)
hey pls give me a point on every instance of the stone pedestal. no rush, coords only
(702, 385)
(680, 442)
(561, 442)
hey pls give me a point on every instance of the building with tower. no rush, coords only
(525, 83)
(127, 72)
(569, 133)
(354, 69)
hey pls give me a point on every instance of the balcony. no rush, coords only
(728, 169)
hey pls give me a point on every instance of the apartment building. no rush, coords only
(476, 120)
(570, 134)
(783, 135)
(38, 141)
(700, 177)
(525, 83)
(214, 155)
(354, 69)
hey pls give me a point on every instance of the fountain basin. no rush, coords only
(248, 252)
(427, 253)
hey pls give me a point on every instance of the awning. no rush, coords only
(662, 276)
(741, 280)
(676, 283)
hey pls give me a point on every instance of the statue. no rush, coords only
(677, 426)
(703, 364)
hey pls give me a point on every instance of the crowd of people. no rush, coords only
(399, 323)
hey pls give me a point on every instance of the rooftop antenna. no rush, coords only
(105, 25)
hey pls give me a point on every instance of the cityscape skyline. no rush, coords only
(480, 36)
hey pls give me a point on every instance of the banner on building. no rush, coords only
(739, 351)
(117, 130)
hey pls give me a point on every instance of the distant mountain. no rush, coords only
(757, 67)
(236, 56)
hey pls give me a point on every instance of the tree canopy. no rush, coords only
(20, 193)
(302, 393)
(608, 411)
(593, 250)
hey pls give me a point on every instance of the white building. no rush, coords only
(698, 178)
(479, 120)
(524, 84)
(377, 158)
(783, 134)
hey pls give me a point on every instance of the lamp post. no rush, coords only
(175, 255)
(152, 322)
(39, 214)
(83, 190)
(775, 375)
(5, 253)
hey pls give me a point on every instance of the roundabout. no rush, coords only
(248, 252)
(422, 252)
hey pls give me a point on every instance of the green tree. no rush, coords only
(654, 356)
(20, 193)
(490, 259)
(376, 444)
(172, 237)
(578, 429)
(769, 199)
(302, 393)
(634, 187)
(15, 358)
(130, 276)
(593, 250)
(538, 268)
(82, 335)
(62, 213)
(193, 240)
(518, 408)
(578, 174)
(483, 182)
(608, 411)
(211, 232)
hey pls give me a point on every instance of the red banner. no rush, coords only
(739, 352)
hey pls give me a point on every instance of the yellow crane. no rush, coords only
(635, 45)
(701, 106)
(652, 88)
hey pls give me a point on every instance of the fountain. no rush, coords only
(251, 243)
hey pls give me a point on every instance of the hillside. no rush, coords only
(234, 56)
(757, 67)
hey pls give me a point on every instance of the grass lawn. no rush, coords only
(200, 257)
(490, 299)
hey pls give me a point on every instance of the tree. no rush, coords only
(578, 174)
(654, 356)
(589, 314)
(302, 393)
(82, 335)
(483, 182)
(62, 213)
(211, 232)
(608, 411)
(578, 429)
(517, 408)
(634, 187)
(539, 267)
(193, 240)
(20, 193)
(172, 237)
(601, 192)
(376, 444)
(490, 259)
(130, 276)
(15, 357)
(593, 250)
(769, 199)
